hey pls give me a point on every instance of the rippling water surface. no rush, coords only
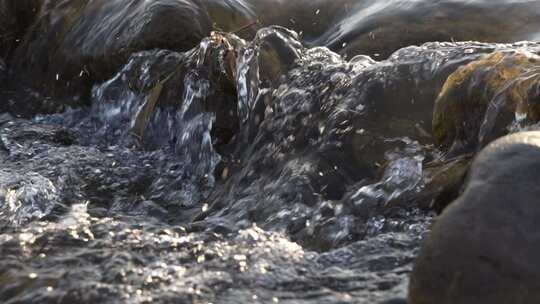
(232, 151)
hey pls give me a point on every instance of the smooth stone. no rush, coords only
(484, 248)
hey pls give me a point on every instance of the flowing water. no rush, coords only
(276, 164)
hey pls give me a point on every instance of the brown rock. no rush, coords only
(482, 100)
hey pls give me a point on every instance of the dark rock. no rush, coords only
(3, 67)
(72, 44)
(395, 301)
(444, 179)
(158, 90)
(3, 76)
(15, 18)
(378, 29)
(484, 247)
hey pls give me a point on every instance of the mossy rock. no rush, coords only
(485, 99)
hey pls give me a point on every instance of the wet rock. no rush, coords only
(486, 99)
(15, 18)
(484, 247)
(158, 92)
(443, 180)
(237, 16)
(378, 29)
(75, 43)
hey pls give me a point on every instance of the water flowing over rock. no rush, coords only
(184, 151)
(72, 44)
(62, 48)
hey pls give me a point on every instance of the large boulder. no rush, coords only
(484, 248)
(73, 44)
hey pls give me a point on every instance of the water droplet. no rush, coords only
(201, 259)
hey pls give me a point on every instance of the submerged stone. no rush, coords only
(484, 247)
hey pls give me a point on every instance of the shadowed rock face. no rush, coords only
(15, 19)
(72, 44)
(484, 247)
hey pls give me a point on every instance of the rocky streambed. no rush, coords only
(176, 151)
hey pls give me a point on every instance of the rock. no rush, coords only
(233, 16)
(3, 73)
(484, 247)
(395, 301)
(158, 90)
(72, 44)
(443, 182)
(376, 29)
(485, 99)
(15, 18)
(344, 140)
